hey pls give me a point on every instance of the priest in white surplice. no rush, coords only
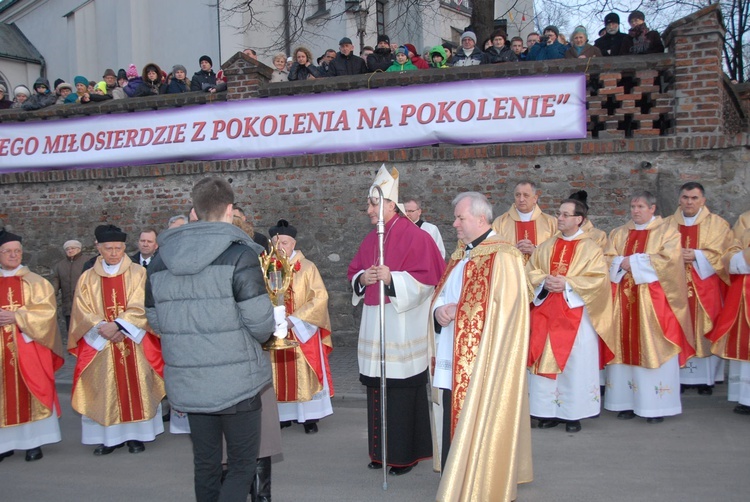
(572, 310)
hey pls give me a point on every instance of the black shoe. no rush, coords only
(398, 471)
(106, 450)
(705, 390)
(573, 426)
(375, 465)
(740, 409)
(654, 420)
(626, 415)
(34, 454)
(288, 423)
(7, 454)
(135, 446)
(310, 428)
(547, 423)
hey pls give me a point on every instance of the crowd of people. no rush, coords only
(533, 316)
(385, 56)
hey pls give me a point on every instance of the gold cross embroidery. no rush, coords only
(116, 308)
(11, 306)
(561, 266)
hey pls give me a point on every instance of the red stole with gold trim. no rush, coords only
(16, 396)
(629, 301)
(471, 313)
(704, 293)
(554, 318)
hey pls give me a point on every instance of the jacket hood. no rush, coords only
(440, 50)
(155, 67)
(188, 249)
(41, 81)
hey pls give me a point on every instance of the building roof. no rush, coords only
(14, 45)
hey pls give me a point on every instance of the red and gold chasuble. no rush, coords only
(124, 354)
(471, 313)
(628, 290)
(16, 398)
(28, 389)
(703, 294)
(554, 319)
(731, 333)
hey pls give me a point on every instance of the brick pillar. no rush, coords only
(696, 43)
(245, 76)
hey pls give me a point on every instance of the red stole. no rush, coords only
(734, 320)
(629, 301)
(470, 326)
(30, 369)
(701, 293)
(554, 318)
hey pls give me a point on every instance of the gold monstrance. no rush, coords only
(277, 274)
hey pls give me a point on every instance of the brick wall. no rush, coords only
(654, 122)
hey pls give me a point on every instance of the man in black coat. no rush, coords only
(147, 247)
(382, 57)
(611, 42)
(346, 62)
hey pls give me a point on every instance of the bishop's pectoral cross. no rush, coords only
(12, 306)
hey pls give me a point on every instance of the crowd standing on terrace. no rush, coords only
(384, 57)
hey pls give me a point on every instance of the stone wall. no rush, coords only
(654, 122)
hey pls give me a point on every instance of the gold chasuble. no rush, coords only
(27, 382)
(651, 321)
(298, 372)
(491, 448)
(124, 381)
(731, 336)
(712, 235)
(510, 228)
(554, 325)
(742, 224)
(596, 235)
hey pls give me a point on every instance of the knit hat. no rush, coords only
(132, 72)
(72, 243)
(121, 73)
(109, 72)
(283, 228)
(469, 34)
(205, 58)
(580, 29)
(402, 50)
(81, 80)
(57, 82)
(411, 48)
(109, 233)
(102, 86)
(3, 89)
(179, 67)
(63, 85)
(6, 237)
(611, 18)
(636, 14)
(384, 38)
(554, 29)
(21, 89)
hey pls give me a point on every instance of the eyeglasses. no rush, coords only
(413, 210)
(560, 214)
(11, 252)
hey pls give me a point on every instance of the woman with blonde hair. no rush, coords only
(280, 73)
